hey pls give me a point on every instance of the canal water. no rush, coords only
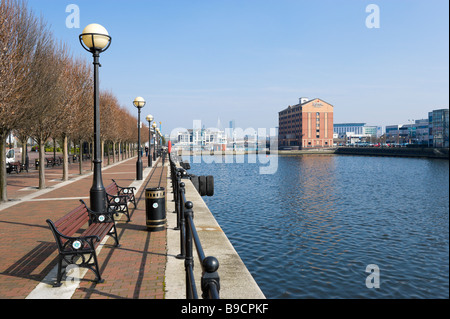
(329, 226)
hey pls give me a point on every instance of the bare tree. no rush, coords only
(108, 115)
(71, 82)
(44, 105)
(84, 118)
(19, 31)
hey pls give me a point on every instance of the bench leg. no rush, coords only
(133, 200)
(127, 213)
(124, 209)
(113, 234)
(94, 267)
(96, 270)
(59, 274)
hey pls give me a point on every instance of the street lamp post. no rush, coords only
(139, 103)
(154, 140)
(158, 142)
(149, 155)
(96, 40)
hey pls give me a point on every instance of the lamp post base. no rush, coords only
(98, 200)
(139, 170)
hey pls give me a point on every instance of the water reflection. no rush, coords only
(310, 230)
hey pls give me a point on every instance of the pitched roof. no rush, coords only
(301, 104)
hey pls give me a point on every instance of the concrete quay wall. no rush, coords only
(236, 282)
(395, 151)
(442, 153)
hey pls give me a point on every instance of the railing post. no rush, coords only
(177, 198)
(177, 183)
(189, 260)
(210, 278)
(182, 222)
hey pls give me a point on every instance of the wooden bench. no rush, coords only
(24, 167)
(13, 167)
(79, 249)
(50, 161)
(117, 198)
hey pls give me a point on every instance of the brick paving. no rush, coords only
(28, 251)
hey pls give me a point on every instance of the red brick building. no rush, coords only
(308, 124)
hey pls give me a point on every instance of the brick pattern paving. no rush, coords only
(136, 268)
(28, 250)
(25, 183)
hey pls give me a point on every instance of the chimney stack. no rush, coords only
(303, 100)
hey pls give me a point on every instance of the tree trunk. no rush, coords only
(3, 193)
(91, 153)
(54, 151)
(109, 153)
(65, 159)
(24, 149)
(41, 164)
(80, 157)
(103, 152)
(114, 152)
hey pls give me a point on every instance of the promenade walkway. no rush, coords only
(28, 251)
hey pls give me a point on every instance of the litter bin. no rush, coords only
(155, 208)
(36, 163)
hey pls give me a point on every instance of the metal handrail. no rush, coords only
(210, 281)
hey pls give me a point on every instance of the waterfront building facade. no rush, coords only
(393, 134)
(308, 124)
(355, 128)
(420, 132)
(438, 128)
(431, 132)
(351, 133)
(201, 139)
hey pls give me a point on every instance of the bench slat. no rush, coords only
(77, 211)
(72, 222)
(100, 230)
(112, 188)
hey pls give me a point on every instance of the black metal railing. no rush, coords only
(210, 281)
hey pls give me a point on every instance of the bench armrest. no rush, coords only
(70, 243)
(99, 218)
(94, 217)
(116, 199)
(80, 243)
(120, 187)
(126, 190)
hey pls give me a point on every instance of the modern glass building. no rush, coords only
(413, 133)
(438, 128)
(356, 128)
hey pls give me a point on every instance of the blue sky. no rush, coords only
(246, 60)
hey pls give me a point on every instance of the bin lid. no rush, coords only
(154, 189)
(153, 193)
